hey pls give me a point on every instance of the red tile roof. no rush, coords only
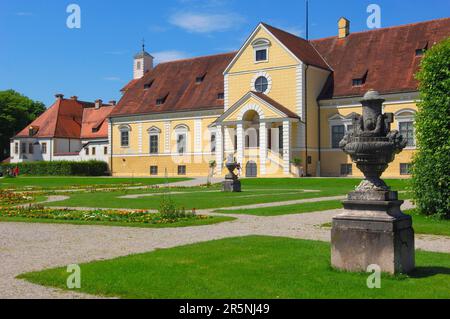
(388, 56)
(301, 48)
(385, 56)
(178, 80)
(68, 118)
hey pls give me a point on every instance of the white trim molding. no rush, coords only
(251, 107)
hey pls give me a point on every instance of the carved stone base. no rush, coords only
(373, 232)
(230, 185)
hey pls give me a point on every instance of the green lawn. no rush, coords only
(429, 225)
(71, 181)
(247, 267)
(286, 210)
(254, 191)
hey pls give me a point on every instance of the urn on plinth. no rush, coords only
(232, 182)
(373, 229)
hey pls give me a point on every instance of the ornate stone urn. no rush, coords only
(372, 229)
(232, 182)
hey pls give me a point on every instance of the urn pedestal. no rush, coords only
(232, 182)
(373, 229)
(373, 232)
(230, 185)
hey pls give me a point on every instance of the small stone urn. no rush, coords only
(232, 182)
(373, 229)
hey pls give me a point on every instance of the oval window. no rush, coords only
(261, 84)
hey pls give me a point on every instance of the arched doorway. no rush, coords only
(251, 169)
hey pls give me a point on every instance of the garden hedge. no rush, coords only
(431, 164)
(60, 168)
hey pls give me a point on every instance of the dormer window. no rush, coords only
(148, 85)
(200, 79)
(220, 96)
(162, 100)
(360, 80)
(421, 48)
(261, 49)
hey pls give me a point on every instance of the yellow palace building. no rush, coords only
(279, 101)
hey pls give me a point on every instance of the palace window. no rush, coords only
(86, 151)
(346, 169)
(44, 148)
(154, 139)
(153, 144)
(138, 65)
(124, 135)
(30, 148)
(16, 148)
(23, 147)
(405, 119)
(405, 169)
(261, 84)
(105, 150)
(153, 170)
(261, 50)
(337, 134)
(407, 131)
(181, 169)
(181, 143)
(213, 142)
(94, 150)
(181, 132)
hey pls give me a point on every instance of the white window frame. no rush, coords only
(153, 131)
(258, 45)
(122, 129)
(336, 121)
(406, 115)
(258, 75)
(182, 129)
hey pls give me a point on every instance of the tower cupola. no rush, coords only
(143, 62)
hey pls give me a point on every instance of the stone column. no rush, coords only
(240, 143)
(262, 147)
(286, 147)
(219, 149)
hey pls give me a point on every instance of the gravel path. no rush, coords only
(29, 247)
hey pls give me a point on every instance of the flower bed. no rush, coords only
(118, 216)
(9, 198)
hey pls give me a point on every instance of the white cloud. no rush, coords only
(111, 78)
(206, 23)
(166, 56)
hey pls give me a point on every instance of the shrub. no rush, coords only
(169, 210)
(59, 168)
(431, 164)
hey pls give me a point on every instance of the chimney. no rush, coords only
(343, 27)
(98, 104)
(112, 102)
(59, 96)
(74, 98)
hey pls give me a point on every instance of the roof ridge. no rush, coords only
(382, 29)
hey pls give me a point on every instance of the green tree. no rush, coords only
(431, 164)
(16, 112)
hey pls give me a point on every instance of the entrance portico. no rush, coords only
(256, 131)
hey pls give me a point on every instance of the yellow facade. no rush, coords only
(281, 138)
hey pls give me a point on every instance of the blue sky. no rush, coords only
(41, 56)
